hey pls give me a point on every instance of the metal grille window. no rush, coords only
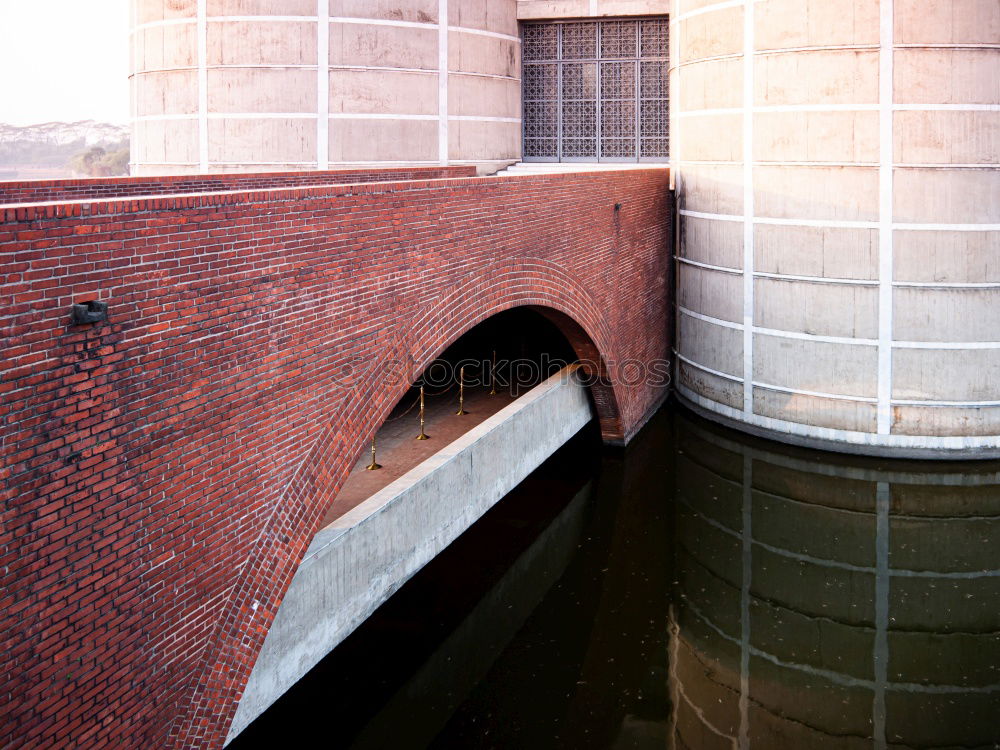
(595, 90)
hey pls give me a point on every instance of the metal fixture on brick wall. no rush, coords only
(91, 311)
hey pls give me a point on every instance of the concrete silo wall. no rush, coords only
(251, 85)
(836, 166)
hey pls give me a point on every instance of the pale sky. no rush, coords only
(64, 60)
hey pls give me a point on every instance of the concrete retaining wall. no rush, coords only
(357, 562)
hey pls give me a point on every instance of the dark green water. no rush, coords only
(699, 590)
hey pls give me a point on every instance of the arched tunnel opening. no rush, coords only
(479, 418)
(486, 369)
(520, 347)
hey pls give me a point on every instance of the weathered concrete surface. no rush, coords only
(238, 87)
(836, 174)
(358, 561)
(545, 9)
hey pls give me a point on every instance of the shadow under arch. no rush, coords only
(581, 349)
(528, 343)
(586, 334)
(594, 370)
(362, 408)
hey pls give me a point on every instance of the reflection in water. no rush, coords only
(699, 590)
(832, 602)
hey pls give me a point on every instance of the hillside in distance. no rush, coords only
(62, 149)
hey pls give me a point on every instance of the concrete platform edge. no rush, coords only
(356, 563)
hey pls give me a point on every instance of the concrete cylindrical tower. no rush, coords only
(837, 174)
(251, 85)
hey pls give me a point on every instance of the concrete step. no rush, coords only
(526, 168)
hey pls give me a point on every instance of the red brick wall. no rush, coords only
(163, 473)
(66, 190)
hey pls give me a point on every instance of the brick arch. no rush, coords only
(535, 284)
(164, 468)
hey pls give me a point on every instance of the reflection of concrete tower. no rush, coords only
(837, 174)
(252, 85)
(832, 604)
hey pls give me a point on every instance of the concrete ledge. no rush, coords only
(357, 562)
(973, 448)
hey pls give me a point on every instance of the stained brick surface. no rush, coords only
(164, 472)
(31, 191)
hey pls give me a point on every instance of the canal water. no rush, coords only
(699, 589)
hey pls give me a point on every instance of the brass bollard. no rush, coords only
(422, 435)
(493, 375)
(461, 391)
(373, 466)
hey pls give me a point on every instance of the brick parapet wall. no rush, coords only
(38, 191)
(164, 472)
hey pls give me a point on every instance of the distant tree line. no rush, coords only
(108, 158)
(98, 161)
